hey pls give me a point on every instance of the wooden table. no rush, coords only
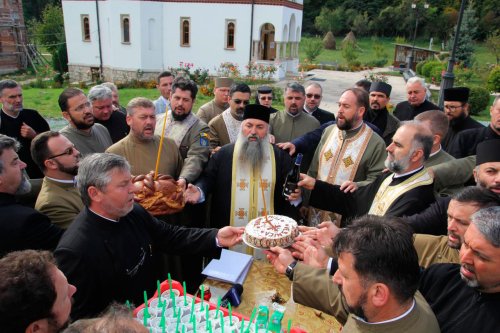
(260, 285)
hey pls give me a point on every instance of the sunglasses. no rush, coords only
(266, 98)
(68, 151)
(239, 101)
(316, 96)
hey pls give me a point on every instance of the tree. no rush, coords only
(50, 33)
(465, 47)
(361, 24)
(33, 9)
(330, 20)
(493, 44)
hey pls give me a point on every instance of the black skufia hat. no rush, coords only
(488, 151)
(256, 111)
(381, 87)
(458, 94)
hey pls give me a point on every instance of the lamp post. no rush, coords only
(417, 16)
(448, 76)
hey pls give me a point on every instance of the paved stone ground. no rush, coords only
(334, 82)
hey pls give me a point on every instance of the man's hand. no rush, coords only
(192, 194)
(280, 258)
(295, 195)
(230, 236)
(27, 132)
(348, 186)
(182, 183)
(307, 182)
(315, 255)
(215, 150)
(287, 146)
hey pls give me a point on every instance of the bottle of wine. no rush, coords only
(293, 177)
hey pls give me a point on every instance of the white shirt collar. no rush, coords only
(432, 154)
(390, 320)
(64, 181)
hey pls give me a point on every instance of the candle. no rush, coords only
(161, 145)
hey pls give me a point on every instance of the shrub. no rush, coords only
(478, 99)
(419, 66)
(349, 52)
(428, 68)
(494, 79)
(312, 48)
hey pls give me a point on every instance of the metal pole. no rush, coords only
(251, 32)
(448, 76)
(99, 38)
(412, 54)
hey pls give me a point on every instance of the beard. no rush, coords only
(397, 166)
(252, 152)
(454, 245)
(356, 309)
(80, 124)
(69, 170)
(458, 120)
(54, 327)
(25, 185)
(473, 283)
(180, 117)
(238, 113)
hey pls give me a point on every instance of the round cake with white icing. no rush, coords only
(277, 230)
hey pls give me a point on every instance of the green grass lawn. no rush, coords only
(45, 100)
(482, 55)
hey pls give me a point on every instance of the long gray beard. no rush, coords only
(252, 152)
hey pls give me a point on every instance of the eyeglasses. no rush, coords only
(68, 151)
(453, 107)
(239, 101)
(316, 96)
(80, 107)
(266, 98)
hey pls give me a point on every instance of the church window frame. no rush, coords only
(125, 28)
(85, 20)
(185, 28)
(230, 34)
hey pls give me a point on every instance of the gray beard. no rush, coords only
(397, 166)
(252, 152)
(24, 187)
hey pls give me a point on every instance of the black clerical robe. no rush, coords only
(386, 122)
(405, 111)
(116, 261)
(216, 180)
(116, 126)
(322, 116)
(12, 127)
(456, 127)
(329, 197)
(458, 307)
(466, 142)
(23, 228)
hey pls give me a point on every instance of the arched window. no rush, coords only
(185, 31)
(85, 28)
(230, 33)
(125, 29)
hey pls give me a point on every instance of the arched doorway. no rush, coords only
(267, 45)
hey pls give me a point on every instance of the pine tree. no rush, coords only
(465, 46)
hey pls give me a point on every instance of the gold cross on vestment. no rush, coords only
(348, 161)
(242, 184)
(328, 154)
(241, 213)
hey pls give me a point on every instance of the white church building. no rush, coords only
(130, 39)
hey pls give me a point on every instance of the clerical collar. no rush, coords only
(407, 312)
(395, 176)
(432, 154)
(8, 115)
(63, 181)
(293, 115)
(104, 217)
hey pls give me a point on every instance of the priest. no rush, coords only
(242, 173)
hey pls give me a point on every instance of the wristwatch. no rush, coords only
(289, 270)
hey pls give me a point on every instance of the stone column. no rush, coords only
(278, 49)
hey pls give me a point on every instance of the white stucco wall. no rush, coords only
(155, 33)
